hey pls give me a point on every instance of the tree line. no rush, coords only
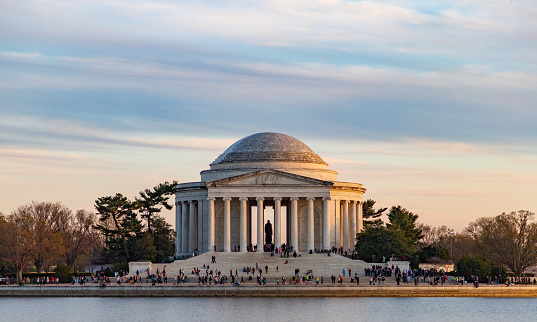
(41, 235)
(489, 246)
(46, 234)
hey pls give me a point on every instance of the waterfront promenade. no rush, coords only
(252, 290)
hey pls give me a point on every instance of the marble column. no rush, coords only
(353, 224)
(294, 224)
(227, 225)
(260, 212)
(210, 223)
(277, 221)
(184, 228)
(345, 225)
(192, 229)
(178, 226)
(326, 223)
(338, 229)
(200, 225)
(311, 224)
(243, 223)
(360, 219)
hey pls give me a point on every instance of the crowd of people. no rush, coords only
(525, 280)
(207, 275)
(375, 275)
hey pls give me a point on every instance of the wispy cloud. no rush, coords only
(398, 93)
(57, 129)
(473, 82)
(36, 154)
(444, 193)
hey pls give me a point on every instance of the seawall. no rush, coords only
(270, 291)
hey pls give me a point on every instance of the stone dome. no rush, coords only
(268, 147)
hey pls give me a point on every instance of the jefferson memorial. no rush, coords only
(262, 176)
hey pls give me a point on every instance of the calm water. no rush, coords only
(267, 309)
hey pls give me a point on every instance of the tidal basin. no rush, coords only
(267, 309)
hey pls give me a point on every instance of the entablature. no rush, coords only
(269, 177)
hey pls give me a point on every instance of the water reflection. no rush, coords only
(266, 309)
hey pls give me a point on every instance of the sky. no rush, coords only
(431, 105)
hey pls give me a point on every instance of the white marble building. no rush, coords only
(267, 170)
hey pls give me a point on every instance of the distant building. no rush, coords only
(267, 170)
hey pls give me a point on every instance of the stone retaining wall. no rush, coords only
(268, 291)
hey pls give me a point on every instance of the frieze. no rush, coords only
(268, 179)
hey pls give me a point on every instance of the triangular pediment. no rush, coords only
(269, 177)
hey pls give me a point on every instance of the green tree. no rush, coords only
(125, 236)
(398, 237)
(64, 273)
(431, 253)
(150, 202)
(371, 216)
(4, 267)
(163, 240)
(404, 221)
(115, 209)
(149, 206)
(469, 266)
(140, 242)
(378, 242)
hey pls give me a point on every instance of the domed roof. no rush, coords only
(268, 147)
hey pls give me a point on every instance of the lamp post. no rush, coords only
(451, 240)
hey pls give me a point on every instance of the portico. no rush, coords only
(267, 170)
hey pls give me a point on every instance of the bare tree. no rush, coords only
(463, 245)
(50, 224)
(80, 238)
(458, 243)
(509, 239)
(475, 228)
(17, 242)
(434, 235)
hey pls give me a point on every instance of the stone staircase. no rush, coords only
(319, 264)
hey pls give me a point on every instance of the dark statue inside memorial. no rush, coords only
(268, 234)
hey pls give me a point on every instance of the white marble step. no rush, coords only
(320, 264)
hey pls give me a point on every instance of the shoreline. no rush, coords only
(492, 291)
